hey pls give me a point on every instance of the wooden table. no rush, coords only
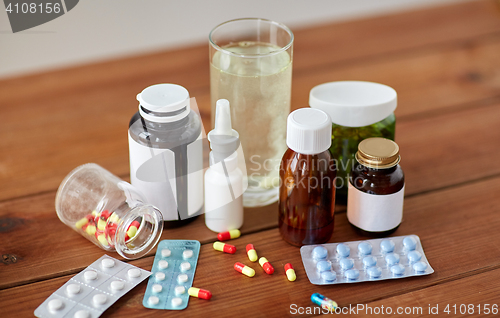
(444, 63)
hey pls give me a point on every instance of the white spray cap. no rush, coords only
(223, 120)
(224, 140)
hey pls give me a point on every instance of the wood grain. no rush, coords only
(427, 167)
(55, 121)
(478, 290)
(442, 222)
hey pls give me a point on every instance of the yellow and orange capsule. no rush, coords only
(223, 247)
(252, 253)
(245, 270)
(290, 272)
(268, 268)
(229, 235)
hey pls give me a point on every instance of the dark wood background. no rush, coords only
(444, 63)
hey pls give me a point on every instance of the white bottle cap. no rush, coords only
(164, 103)
(354, 103)
(309, 131)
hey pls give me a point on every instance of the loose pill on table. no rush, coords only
(323, 266)
(343, 250)
(99, 299)
(268, 268)
(82, 314)
(179, 290)
(319, 252)
(182, 278)
(290, 272)
(165, 252)
(229, 235)
(73, 289)
(156, 288)
(153, 300)
(200, 293)
(346, 263)
(185, 266)
(387, 246)
(162, 264)
(414, 256)
(351, 274)
(251, 252)
(409, 243)
(245, 270)
(364, 248)
(369, 261)
(134, 273)
(55, 305)
(323, 302)
(374, 271)
(397, 269)
(187, 254)
(328, 277)
(223, 247)
(392, 259)
(420, 266)
(90, 275)
(176, 301)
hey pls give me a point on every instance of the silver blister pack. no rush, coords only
(89, 293)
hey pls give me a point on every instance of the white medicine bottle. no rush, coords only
(166, 152)
(224, 182)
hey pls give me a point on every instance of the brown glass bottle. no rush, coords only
(379, 177)
(307, 198)
(307, 180)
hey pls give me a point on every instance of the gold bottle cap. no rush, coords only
(378, 153)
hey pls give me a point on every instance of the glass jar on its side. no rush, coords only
(376, 188)
(359, 110)
(107, 211)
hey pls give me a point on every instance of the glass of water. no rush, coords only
(251, 66)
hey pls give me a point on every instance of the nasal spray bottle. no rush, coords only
(224, 179)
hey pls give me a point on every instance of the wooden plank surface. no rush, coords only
(80, 115)
(426, 167)
(478, 290)
(444, 64)
(441, 221)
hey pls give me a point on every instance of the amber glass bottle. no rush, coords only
(307, 179)
(376, 188)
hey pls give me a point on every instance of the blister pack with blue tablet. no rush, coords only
(173, 273)
(92, 291)
(361, 261)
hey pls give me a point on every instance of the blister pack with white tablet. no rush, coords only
(89, 293)
(173, 273)
(361, 261)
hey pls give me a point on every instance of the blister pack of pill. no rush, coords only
(89, 293)
(173, 274)
(369, 260)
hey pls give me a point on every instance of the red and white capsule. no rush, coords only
(223, 247)
(268, 268)
(229, 235)
(200, 293)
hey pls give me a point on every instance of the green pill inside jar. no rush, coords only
(358, 110)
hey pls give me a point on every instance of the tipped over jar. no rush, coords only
(107, 211)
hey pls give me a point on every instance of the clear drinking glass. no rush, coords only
(107, 211)
(251, 66)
